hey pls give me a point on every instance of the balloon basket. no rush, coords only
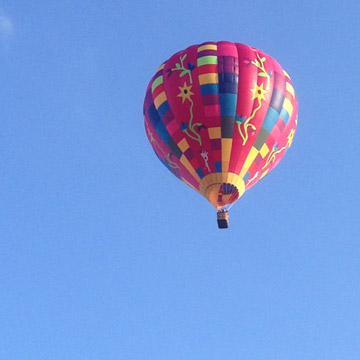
(223, 219)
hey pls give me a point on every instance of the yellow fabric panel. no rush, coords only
(290, 89)
(227, 197)
(288, 106)
(226, 145)
(161, 98)
(224, 177)
(214, 178)
(183, 145)
(160, 67)
(249, 160)
(212, 193)
(189, 167)
(211, 78)
(239, 183)
(207, 47)
(225, 166)
(264, 150)
(264, 173)
(286, 74)
(214, 132)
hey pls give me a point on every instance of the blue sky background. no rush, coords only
(105, 255)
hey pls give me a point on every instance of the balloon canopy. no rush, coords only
(220, 116)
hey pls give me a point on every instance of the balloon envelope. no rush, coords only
(220, 116)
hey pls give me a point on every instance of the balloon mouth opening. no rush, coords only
(221, 195)
(222, 189)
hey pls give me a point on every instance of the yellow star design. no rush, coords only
(185, 92)
(259, 93)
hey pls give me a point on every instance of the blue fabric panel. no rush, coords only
(277, 100)
(209, 89)
(200, 173)
(246, 176)
(163, 108)
(228, 189)
(174, 148)
(217, 166)
(162, 132)
(228, 83)
(285, 115)
(270, 119)
(153, 115)
(228, 104)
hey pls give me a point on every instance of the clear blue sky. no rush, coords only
(105, 255)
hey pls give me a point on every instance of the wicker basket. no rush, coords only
(223, 219)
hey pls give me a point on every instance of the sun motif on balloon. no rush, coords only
(259, 93)
(185, 92)
(244, 124)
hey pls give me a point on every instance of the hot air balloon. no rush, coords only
(220, 116)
